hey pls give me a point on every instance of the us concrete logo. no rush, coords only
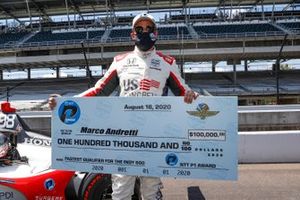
(69, 112)
(202, 111)
(49, 184)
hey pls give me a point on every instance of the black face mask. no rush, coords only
(145, 41)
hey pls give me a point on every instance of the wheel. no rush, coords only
(98, 187)
(95, 187)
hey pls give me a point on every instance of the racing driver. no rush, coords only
(141, 72)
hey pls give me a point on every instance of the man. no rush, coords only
(8, 150)
(142, 72)
(4, 145)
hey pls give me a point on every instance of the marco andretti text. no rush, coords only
(109, 131)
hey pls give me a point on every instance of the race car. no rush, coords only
(25, 167)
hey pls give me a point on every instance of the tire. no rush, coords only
(137, 193)
(70, 191)
(95, 187)
(98, 187)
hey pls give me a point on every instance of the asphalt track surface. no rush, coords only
(256, 181)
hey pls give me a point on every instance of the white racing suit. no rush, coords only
(139, 74)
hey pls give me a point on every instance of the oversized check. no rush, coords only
(155, 136)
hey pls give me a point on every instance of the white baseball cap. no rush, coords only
(143, 16)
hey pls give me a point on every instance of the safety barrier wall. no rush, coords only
(269, 147)
(269, 120)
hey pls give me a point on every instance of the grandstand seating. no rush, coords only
(205, 17)
(125, 20)
(209, 17)
(95, 34)
(62, 24)
(47, 36)
(118, 34)
(173, 32)
(11, 38)
(292, 25)
(174, 28)
(236, 29)
(277, 14)
(249, 83)
(165, 33)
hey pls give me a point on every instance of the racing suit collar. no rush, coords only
(144, 54)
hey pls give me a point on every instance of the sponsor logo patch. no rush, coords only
(49, 184)
(131, 61)
(155, 64)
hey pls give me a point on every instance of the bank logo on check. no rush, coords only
(171, 159)
(69, 112)
(202, 111)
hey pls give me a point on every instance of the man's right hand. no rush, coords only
(52, 100)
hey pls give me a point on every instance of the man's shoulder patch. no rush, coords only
(169, 59)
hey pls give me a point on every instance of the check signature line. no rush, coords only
(117, 164)
(130, 136)
(208, 168)
(111, 149)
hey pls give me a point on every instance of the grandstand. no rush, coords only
(53, 34)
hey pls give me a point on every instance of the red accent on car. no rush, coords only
(5, 107)
(33, 187)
